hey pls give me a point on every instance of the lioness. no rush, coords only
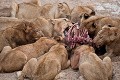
(110, 37)
(14, 59)
(91, 67)
(47, 66)
(32, 9)
(15, 32)
(78, 11)
(95, 23)
(52, 27)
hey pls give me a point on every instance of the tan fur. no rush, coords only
(12, 32)
(78, 11)
(16, 58)
(43, 25)
(91, 67)
(36, 2)
(15, 32)
(109, 36)
(63, 11)
(20, 34)
(77, 53)
(95, 23)
(51, 27)
(30, 10)
(60, 25)
(48, 65)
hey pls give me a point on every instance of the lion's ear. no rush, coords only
(52, 21)
(60, 5)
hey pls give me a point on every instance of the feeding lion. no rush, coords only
(109, 36)
(47, 66)
(14, 59)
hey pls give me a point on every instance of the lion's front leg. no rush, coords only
(66, 65)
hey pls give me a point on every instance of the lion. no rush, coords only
(77, 53)
(95, 23)
(31, 10)
(52, 27)
(15, 32)
(60, 25)
(28, 11)
(78, 11)
(108, 36)
(48, 65)
(52, 11)
(21, 34)
(14, 59)
(25, 9)
(91, 67)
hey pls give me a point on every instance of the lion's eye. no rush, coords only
(80, 16)
(94, 25)
(86, 16)
(109, 25)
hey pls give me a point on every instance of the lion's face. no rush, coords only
(32, 34)
(91, 24)
(60, 25)
(105, 36)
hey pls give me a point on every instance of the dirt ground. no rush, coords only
(102, 7)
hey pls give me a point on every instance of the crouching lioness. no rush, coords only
(109, 36)
(91, 67)
(48, 65)
(14, 59)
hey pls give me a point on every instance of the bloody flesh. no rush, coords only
(76, 35)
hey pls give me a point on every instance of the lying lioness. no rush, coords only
(109, 36)
(48, 65)
(33, 9)
(14, 59)
(16, 32)
(91, 67)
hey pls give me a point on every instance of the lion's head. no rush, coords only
(106, 35)
(30, 31)
(78, 11)
(60, 25)
(63, 11)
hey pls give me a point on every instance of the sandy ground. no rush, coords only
(102, 7)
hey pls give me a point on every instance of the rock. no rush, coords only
(6, 8)
(116, 70)
(8, 76)
(68, 74)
